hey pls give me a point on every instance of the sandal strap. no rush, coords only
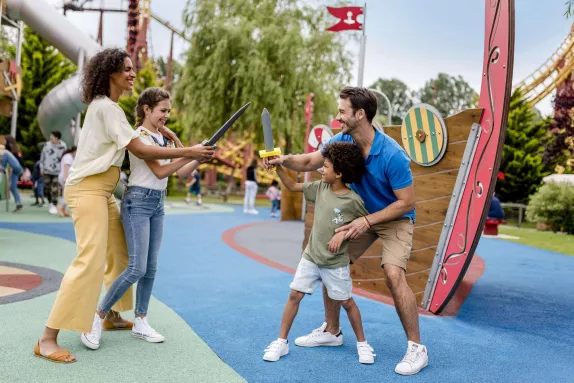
(59, 356)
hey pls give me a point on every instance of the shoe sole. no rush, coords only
(319, 345)
(412, 373)
(373, 362)
(275, 360)
(150, 340)
(87, 343)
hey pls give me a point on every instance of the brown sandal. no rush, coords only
(56, 357)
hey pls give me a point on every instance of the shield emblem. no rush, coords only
(424, 135)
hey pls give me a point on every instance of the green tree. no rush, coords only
(272, 53)
(43, 67)
(400, 96)
(176, 69)
(522, 162)
(448, 94)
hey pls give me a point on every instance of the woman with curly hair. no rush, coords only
(102, 250)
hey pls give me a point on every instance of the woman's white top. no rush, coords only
(103, 139)
(140, 174)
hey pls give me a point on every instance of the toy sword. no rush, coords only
(270, 150)
(225, 127)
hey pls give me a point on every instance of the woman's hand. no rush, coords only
(165, 131)
(201, 153)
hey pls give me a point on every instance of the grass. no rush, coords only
(560, 243)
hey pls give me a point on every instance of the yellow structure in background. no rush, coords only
(551, 74)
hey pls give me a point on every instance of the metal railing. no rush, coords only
(521, 209)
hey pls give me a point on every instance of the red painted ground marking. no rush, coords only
(474, 272)
(20, 281)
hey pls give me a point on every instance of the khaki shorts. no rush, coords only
(397, 239)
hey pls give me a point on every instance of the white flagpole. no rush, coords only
(362, 51)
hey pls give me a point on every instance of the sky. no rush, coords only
(412, 40)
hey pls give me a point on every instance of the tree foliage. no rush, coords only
(553, 204)
(400, 97)
(271, 53)
(448, 94)
(522, 163)
(43, 67)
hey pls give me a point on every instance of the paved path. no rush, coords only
(515, 326)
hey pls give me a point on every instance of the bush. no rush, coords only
(553, 204)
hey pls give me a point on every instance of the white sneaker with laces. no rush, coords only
(320, 338)
(253, 211)
(276, 350)
(92, 340)
(414, 360)
(144, 331)
(366, 353)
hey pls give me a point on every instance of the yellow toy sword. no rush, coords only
(270, 150)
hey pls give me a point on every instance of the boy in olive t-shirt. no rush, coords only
(325, 259)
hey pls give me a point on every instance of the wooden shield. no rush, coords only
(424, 135)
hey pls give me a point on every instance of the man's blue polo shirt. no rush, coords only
(387, 170)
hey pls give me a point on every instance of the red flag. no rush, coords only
(347, 19)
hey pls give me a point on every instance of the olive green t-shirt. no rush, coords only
(331, 212)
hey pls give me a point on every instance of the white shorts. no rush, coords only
(337, 281)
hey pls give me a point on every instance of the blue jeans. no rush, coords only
(9, 159)
(142, 216)
(39, 187)
(274, 206)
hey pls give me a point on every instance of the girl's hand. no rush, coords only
(201, 153)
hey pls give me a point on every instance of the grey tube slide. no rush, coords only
(63, 102)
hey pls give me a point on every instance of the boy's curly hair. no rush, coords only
(96, 76)
(347, 159)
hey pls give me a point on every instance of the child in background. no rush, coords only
(65, 165)
(194, 188)
(325, 257)
(274, 196)
(38, 180)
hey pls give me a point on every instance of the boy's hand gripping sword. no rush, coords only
(270, 150)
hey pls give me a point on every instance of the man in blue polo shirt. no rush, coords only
(388, 192)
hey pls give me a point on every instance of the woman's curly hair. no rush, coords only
(97, 73)
(347, 159)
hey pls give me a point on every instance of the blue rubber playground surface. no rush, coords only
(516, 325)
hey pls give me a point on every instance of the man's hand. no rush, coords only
(335, 243)
(354, 229)
(270, 162)
(201, 153)
(171, 136)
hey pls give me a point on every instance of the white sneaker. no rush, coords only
(52, 209)
(253, 211)
(414, 360)
(320, 338)
(188, 200)
(366, 353)
(144, 331)
(92, 340)
(276, 350)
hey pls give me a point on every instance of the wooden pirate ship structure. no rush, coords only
(454, 163)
